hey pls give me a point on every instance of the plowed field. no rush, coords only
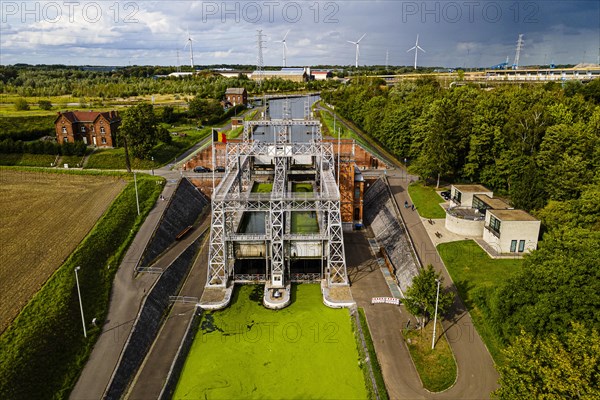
(44, 216)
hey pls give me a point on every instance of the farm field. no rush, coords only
(44, 217)
(304, 351)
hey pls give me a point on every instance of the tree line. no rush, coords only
(79, 82)
(539, 145)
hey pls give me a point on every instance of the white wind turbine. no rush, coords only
(284, 45)
(357, 44)
(416, 48)
(189, 42)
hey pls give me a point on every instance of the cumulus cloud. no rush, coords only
(225, 32)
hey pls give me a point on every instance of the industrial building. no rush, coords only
(276, 215)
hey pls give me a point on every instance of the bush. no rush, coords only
(45, 104)
(21, 105)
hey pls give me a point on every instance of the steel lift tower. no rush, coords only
(278, 245)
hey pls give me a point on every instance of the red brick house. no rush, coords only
(236, 96)
(94, 128)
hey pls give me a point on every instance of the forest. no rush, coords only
(539, 145)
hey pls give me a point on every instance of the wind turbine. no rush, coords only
(357, 43)
(284, 45)
(189, 42)
(416, 48)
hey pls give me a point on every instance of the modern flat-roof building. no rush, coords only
(462, 195)
(511, 231)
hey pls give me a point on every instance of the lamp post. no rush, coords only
(437, 298)
(80, 304)
(137, 198)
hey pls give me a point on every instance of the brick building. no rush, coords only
(94, 128)
(236, 96)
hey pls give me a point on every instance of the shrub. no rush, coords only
(21, 105)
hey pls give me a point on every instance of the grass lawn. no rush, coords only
(305, 351)
(30, 160)
(426, 200)
(436, 367)
(302, 187)
(476, 275)
(262, 187)
(304, 222)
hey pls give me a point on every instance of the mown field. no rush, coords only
(305, 351)
(44, 217)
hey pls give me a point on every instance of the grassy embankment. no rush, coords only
(437, 367)
(426, 200)
(43, 351)
(476, 276)
(248, 351)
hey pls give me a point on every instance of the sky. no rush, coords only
(465, 34)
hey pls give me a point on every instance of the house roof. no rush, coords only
(512, 215)
(88, 116)
(281, 73)
(235, 91)
(472, 189)
(495, 204)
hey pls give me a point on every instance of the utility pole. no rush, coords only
(80, 303)
(137, 198)
(437, 298)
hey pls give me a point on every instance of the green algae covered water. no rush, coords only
(305, 351)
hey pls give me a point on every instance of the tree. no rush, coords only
(552, 367)
(21, 104)
(436, 149)
(205, 109)
(45, 104)
(138, 130)
(559, 283)
(421, 295)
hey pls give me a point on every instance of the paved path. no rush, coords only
(477, 376)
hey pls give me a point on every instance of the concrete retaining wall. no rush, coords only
(184, 209)
(149, 320)
(389, 230)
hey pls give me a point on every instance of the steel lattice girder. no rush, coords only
(217, 263)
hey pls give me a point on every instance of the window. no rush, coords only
(102, 130)
(83, 129)
(513, 246)
(521, 246)
(103, 140)
(356, 214)
(64, 129)
(457, 196)
(357, 193)
(65, 139)
(478, 203)
(495, 223)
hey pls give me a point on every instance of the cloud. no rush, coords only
(479, 33)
